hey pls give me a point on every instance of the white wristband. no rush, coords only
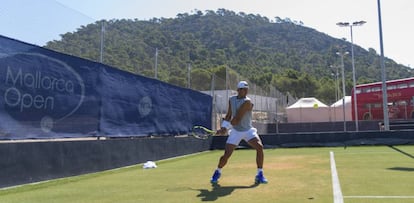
(225, 124)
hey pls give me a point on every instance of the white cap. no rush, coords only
(242, 84)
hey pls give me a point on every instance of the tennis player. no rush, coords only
(239, 119)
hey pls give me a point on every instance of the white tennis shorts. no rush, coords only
(235, 137)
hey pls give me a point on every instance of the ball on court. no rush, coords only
(315, 106)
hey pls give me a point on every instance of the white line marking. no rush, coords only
(380, 197)
(338, 198)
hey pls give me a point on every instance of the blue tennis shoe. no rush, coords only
(215, 177)
(260, 179)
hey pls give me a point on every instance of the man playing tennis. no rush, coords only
(239, 119)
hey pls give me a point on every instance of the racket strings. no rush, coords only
(200, 132)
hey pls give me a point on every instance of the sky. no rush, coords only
(40, 21)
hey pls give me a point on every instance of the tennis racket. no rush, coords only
(201, 132)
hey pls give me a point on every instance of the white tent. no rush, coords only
(307, 110)
(337, 110)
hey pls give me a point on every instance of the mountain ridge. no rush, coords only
(277, 53)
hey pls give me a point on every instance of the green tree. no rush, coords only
(279, 52)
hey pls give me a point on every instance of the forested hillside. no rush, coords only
(279, 53)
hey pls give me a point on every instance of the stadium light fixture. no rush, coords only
(350, 25)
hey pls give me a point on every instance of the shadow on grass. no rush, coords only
(404, 153)
(401, 151)
(402, 169)
(219, 191)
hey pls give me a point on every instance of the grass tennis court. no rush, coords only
(365, 174)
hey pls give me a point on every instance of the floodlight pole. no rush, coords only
(337, 90)
(336, 81)
(384, 84)
(342, 54)
(346, 24)
(156, 64)
(189, 75)
(102, 42)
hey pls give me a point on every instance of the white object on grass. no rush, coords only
(149, 164)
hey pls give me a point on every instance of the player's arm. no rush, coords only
(229, 113)
(245, 107)
(227, 118)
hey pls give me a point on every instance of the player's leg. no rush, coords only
(256, 143)
(228, 151)
(232, 141)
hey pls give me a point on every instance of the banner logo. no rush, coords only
(39, 88)
(145, 106)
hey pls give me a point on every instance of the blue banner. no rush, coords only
(45, 94)
(136, 105)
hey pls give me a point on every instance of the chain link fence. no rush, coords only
(269, 105)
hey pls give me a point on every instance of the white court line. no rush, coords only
(379, 197)
(338, 198)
